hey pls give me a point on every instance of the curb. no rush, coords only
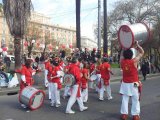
(13, 91)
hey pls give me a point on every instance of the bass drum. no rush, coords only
(32, 97)
(69, 80)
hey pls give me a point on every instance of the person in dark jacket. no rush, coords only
(144, 70)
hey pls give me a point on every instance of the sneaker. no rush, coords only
(24, 106)
(52, 104)
(136, 117)
(124, 117)
(57, 105)
(101, 99)
(70, 112)
(83, 109)
(110, 98)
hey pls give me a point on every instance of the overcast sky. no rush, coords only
(62, 12)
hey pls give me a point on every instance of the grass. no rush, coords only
(114, 65)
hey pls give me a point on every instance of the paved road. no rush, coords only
(10, 109)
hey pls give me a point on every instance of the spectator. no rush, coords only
(144, 69)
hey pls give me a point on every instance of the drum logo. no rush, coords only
(67, 80)
(125, 29)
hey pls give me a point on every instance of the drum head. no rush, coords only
(60, 73)
(93, 77)
(69, 80)
(36, 100)
(125, 36)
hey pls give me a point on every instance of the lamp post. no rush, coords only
(99, 24)
(105, 41)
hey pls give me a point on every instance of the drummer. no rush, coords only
(84, 82)
(67, 89)
(92, 72)
(55, 84)
(26, 76)
(76, 91)
(105, 81)
(98, 65)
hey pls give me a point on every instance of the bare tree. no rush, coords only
(17, 13)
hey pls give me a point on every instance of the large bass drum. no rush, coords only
(129, 33)
(32, 97)
(69, 80)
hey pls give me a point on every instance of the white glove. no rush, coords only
(23, 78)
(46, 83)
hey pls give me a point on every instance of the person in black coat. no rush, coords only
(144, 70)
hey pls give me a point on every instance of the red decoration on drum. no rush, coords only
(4, 49)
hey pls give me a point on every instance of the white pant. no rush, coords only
(49, 90)
(66, 91)
(85, 94)
(55, 93)
(104, 88)
(45, 78)
(135, 109)
(73, 99)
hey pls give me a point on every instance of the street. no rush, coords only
(10, 108)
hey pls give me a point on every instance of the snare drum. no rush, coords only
(93, 77)
(60, 73)
(69, 80)
(32, 97)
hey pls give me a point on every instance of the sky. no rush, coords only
(62, 12)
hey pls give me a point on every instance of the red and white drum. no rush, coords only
(127, 34)
(32, 97)
(69, 80)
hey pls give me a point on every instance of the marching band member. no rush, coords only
(66, 88)
(92, 72)
(26, 76)
(98, 74)
(47, 67)
(55, 84)
(105, 81)
(76, 92)
(130, 86)
(84, 82)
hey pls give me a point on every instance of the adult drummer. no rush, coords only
(84, 82)
(26, 76)
(55, 84)
(76, 91)
(130, 86)
(105, 81)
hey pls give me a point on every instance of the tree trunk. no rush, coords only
(78, 23)
(17, 52)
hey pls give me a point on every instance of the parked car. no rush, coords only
(12, 58)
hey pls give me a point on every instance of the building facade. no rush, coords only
(88, 43)
(42, 31)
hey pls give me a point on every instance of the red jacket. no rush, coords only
(75, 71)
(83, 79)
(57, 79)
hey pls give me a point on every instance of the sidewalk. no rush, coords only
(12, 91)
